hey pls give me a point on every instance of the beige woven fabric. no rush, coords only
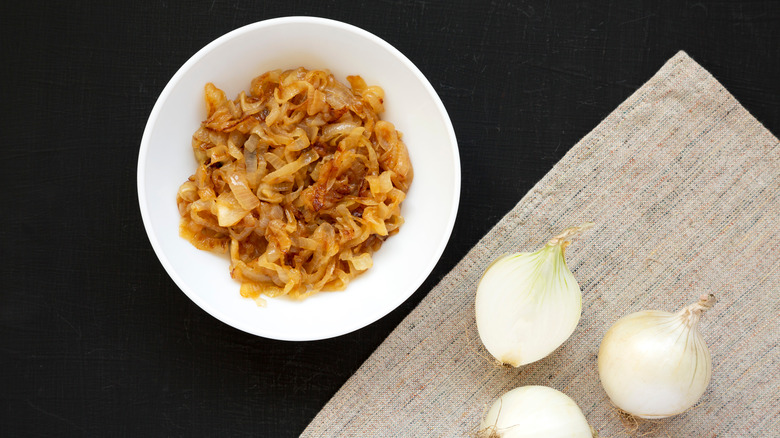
(684, 187)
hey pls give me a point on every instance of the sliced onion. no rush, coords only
(228, 210)
(282, 176)
(288, 169)
(240, 188)
(335, 130)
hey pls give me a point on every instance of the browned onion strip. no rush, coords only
(300, 181)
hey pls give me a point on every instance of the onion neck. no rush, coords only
(691, 314)
(565, 238)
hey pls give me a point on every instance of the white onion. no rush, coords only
(528, 304)
(535, 411)
(655, 364)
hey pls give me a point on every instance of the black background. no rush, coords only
(96, 340)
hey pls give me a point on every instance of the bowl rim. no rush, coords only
(154, 116)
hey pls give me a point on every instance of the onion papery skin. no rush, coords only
(654, 365)
(527, 305)
(535, 411)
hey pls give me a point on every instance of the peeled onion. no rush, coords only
(528, 304)
(535, 411)
(655, 364)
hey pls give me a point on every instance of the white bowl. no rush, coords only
(405, 260)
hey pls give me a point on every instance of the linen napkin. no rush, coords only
(684, 187)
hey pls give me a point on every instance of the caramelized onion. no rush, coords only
(299, 181)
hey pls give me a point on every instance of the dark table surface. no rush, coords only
(95, 338)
